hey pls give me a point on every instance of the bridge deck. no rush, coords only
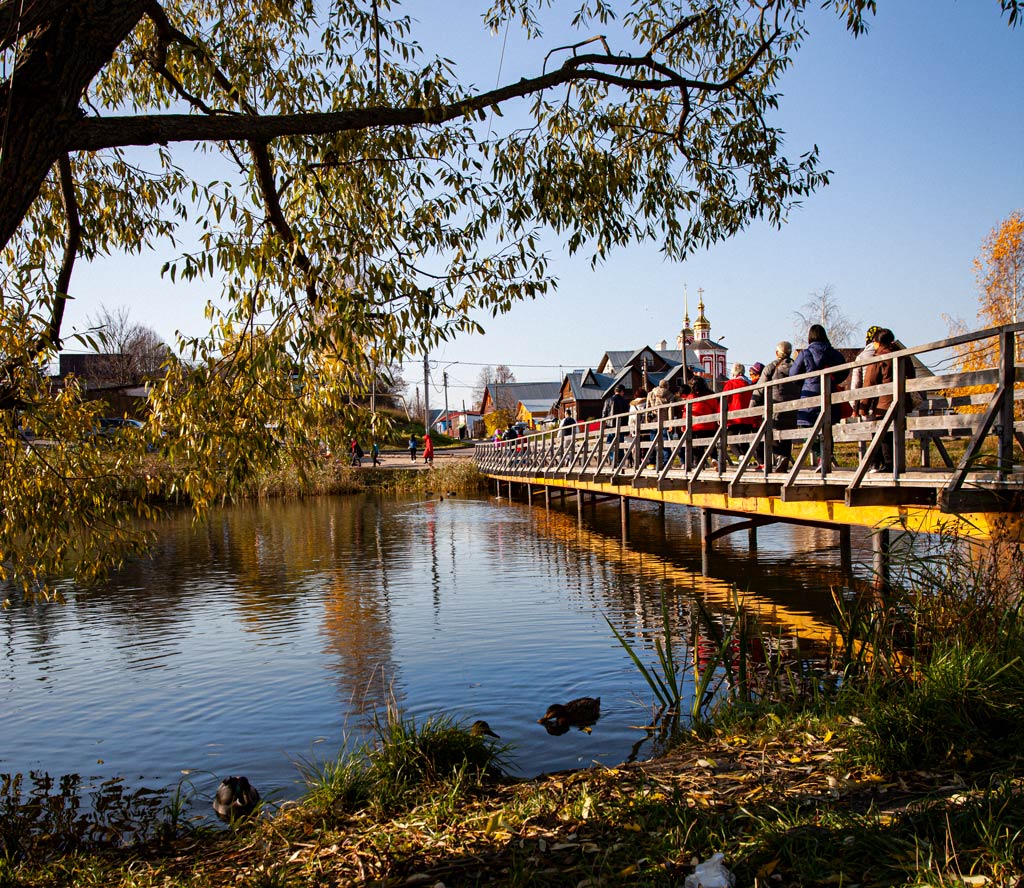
(656, 455)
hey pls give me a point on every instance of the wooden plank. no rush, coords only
(698, 485)
(890, 496)
(674, 484)
(742, 489)
(645, 481)
(951, 423)
(802, 493)
(979, 500)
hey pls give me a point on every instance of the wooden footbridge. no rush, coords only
(956, 443)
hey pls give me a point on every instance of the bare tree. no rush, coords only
(495, 377)
(823, 308)
(132, 352)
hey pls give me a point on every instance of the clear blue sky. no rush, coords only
(921, 122)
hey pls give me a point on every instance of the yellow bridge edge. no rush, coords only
(918, 519)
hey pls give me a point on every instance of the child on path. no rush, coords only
(428, 450)
(375, 453)
(412, 448)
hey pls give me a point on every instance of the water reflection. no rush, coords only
(272, 632)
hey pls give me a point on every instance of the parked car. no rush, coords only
(111, 425)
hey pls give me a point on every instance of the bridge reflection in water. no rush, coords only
(934, 412)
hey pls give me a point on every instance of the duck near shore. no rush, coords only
(236, 798)
(581, 711)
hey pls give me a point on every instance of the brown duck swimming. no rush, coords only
(582, 711)
(480, 728)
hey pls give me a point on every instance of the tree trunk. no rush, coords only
(40, 101)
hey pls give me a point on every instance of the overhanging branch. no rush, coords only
(97, 133)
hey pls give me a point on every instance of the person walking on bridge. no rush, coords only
(616, 406)
(819, 355)
(782, 450)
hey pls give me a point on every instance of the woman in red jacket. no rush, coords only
(739, 385)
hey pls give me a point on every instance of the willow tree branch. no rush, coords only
(275, 214)
(67, 266)
(94, 134)
(169, 33)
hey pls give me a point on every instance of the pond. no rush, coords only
(270, 634)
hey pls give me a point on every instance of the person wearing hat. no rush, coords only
(756, 399)
(857, 377)
(870, 346)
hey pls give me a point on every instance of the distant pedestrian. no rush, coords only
(428, 450)
(375, 453)
(568, 429)
(567, 424)
(357, 453)
(616, 406)
(412, 448)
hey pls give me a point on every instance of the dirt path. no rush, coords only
(399, 459)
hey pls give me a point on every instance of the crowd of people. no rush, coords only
(623, 415)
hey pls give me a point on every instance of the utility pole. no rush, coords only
(447, 418)
(426, 393)
(465, 421)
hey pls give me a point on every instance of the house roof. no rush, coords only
(589, 385)
(615, 360)
(536, 405)
(525, 391)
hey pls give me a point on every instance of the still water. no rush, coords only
(271, 633)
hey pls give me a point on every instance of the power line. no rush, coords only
(511, 366)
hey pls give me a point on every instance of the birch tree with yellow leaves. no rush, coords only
(999, 272)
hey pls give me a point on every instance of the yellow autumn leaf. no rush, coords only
(768, 868)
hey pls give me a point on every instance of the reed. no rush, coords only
(936, 660)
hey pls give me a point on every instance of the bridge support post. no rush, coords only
(579, 507)
(880, 541)
(752, 539)
(845, 550)
(547, 497)
(624, 514)
(705, 542)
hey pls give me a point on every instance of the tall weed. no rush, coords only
(935, 660)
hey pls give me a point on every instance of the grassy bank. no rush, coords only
(898, 762)
(331, 476)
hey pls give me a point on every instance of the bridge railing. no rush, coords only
(789, 447)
